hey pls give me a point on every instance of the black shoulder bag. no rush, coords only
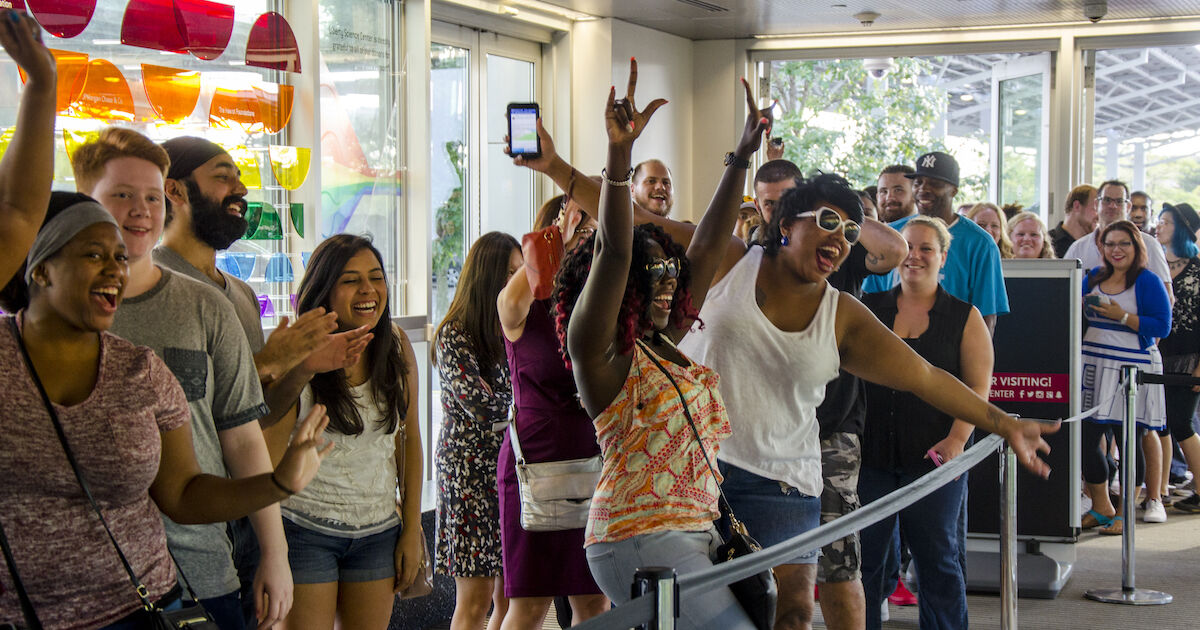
(758, 594)
(192, 615)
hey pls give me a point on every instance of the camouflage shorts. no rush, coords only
(840, 456)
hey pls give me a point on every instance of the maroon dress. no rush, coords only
(553, 426)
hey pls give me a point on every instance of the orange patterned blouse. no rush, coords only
(654, 476)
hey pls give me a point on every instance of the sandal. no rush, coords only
(1094, 519)
(1115, 528)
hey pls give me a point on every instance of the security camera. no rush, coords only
(866, 18)
(878, 68)
(1095, 10)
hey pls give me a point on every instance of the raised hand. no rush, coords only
(21, 37)
(757, 124)
(543, 162)
(621, 117)
(300, 462)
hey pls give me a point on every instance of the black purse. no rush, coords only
(759, 593)
(191, 616)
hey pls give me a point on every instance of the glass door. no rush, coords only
(1020, 132)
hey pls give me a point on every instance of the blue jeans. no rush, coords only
(771, 510)
(931, 528)
(613, 565)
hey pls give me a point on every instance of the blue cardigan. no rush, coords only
(1153, 305)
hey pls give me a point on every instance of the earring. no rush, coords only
(784, 241)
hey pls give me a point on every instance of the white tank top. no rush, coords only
(772, 380)
(354, 492)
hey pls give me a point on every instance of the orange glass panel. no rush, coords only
(230, 107)
(62, 18)
(290, 165)
(106, 95)
(74, 139)
(172, 92)
(247, 162)
(72, 70)
(272, 44)
(275, 108)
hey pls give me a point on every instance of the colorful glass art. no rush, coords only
(105, 95)
(62, 18)
(290, 165)
(199, 27)
(172, 92)
(272, 44)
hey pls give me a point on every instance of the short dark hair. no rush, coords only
(897, 169)
(777, 171)
(1114, 182)
(637, 170)
(1142, 193)
(805, 196)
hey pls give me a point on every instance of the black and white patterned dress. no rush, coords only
(468, 507)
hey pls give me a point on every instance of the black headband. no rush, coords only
(187, 153)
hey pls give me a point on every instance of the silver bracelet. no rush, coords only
(1125, 319)
(627, 182)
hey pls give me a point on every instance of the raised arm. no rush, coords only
(591, 334)
(885, 246)
(872, 352)
(27, 168)
(710, 244)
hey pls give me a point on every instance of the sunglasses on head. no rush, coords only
(829, 220)
(660, 267)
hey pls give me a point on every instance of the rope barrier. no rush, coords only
(640, 610)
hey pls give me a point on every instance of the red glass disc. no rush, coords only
(62, 18)
(272, 44)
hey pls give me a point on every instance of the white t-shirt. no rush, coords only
(1088, 253)
(772, 380)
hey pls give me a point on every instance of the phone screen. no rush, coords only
(522, 130)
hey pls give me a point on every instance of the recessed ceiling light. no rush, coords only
(968, 97)
(1020, 112)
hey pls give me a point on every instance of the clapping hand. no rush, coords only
(300, 462)
(621, 117)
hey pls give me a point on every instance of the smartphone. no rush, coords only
(522, 130)
(934, 457)
(1096, 300)
(777, 142)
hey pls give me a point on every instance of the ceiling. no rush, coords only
(732, 19)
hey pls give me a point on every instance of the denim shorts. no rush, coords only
(317, 558)
(772, 510)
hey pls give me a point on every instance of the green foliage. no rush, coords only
(1175, 181)
(448, 219)
(838, 120)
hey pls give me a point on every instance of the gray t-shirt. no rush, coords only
(245, 302)
(194, 330)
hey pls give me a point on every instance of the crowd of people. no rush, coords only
(782, 360)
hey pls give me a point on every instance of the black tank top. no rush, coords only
(900, 427)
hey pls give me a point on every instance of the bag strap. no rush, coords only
(31, 618)
(142, 591)
(724, 503)
(516, 443)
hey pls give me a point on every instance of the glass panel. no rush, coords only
(360, 132)
(1020, 140)
(508, 204)
(857, 116)
(449, 165)
(1147, 125)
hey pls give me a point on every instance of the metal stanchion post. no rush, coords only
(1008, 539)
(661, 582)
(1129, 593)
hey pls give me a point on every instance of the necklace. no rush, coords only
(1178, 263)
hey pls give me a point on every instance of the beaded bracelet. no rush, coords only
(627, 182)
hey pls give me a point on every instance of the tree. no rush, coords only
(838, 119)
(448, 219)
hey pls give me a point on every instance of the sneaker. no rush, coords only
(1155, 512)
(902, 596)
(1190, 505)
(884, 615)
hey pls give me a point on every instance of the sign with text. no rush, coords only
(1010, 386)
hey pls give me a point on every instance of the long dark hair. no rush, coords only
(473, 308)
(1139, 253)
(383, 354)
(633, 321)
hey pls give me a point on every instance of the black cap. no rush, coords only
(1186, 214)
(939, 165)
